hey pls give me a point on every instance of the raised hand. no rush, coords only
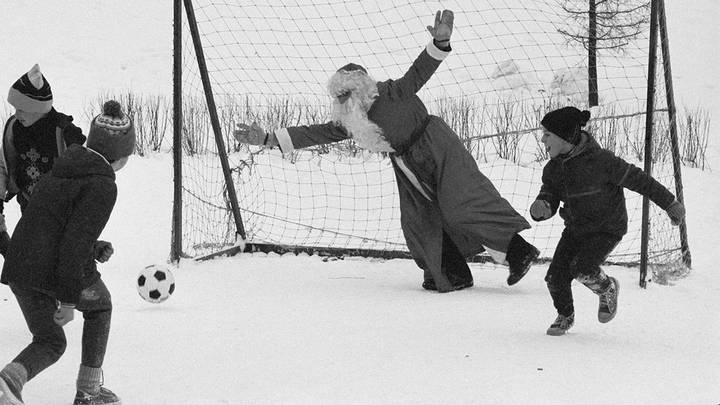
(251, 134)
(442, 30)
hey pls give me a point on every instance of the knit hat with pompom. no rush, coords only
(112, 133)
(566, 123)
(31, 92)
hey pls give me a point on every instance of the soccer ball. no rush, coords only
(155, 283)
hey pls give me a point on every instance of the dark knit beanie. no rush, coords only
(566, 123)
(350, 67)
(31, 92)
(112, 134)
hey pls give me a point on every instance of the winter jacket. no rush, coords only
(440, 186)
(51, 248)
(590, 182)
(28, 153)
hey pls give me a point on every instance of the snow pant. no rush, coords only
(48, 343)
(578, 257)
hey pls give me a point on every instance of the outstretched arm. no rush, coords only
(291, 138)
(627, 175)
(426, 63)
(631, 177)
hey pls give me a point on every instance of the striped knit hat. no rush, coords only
(112, 133)
(31, 92)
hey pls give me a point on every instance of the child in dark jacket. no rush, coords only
(589, 180)
(31, 141)
(50, 264)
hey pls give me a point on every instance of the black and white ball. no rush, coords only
(155, 283)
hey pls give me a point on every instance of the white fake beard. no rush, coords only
(352, 114)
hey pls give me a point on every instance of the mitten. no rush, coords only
(254, 135)
(676, 212)
(64, 314)
(4, 236)
(442, 30)
(102, 251)
(540, 210)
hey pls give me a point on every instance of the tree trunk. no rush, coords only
(592, 55)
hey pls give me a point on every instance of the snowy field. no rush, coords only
(259, 329)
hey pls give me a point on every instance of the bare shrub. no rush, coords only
(485, 129)
(151, 116)
(694, 134)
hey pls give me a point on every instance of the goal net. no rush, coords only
(512, 61)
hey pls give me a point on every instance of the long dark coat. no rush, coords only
(51, 248)
(451, 193)
(590, 183)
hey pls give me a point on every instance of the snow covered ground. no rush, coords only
(259, 329)
(266, 329)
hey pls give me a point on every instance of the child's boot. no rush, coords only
(6, 395)
(607, 288)
(608, 301)
(520, 256)
(561, 325)
(12, 378)
(90, 390)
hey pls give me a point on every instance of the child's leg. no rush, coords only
(96, 307)
(48, 342)
(591, 253)
(560, 275)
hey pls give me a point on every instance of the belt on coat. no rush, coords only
(403, 147)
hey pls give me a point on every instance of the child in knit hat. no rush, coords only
(31, 141)
(51, 263)
(589, 181)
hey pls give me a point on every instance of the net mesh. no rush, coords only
(269, 63)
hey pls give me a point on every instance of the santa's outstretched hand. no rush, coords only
(254, 134)
(250, 134)
(442, 30)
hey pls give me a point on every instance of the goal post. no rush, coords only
(512, 62)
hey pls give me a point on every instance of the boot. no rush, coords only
(7, 397)
(12, 379)
(561, 325)
(90, 390)
(520, 256)
(608, 301)
(457, 284)
(103, 397)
